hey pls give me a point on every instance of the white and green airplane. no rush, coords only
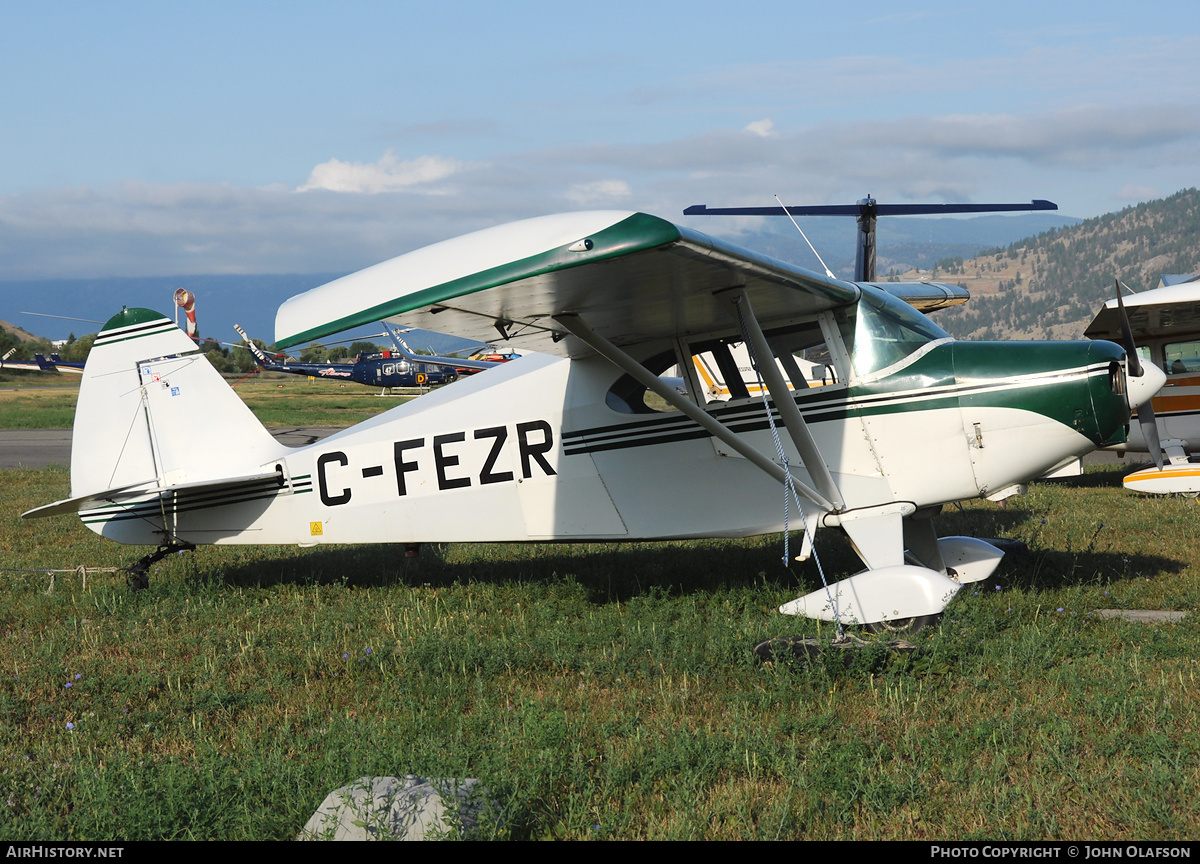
(580, 439)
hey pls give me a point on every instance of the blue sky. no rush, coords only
(154, 139)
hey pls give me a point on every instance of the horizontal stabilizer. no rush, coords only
(142, 490)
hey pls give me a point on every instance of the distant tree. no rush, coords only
(242, 360)
(314, 353)
(218, 358)
(77, 350)
(362, 347)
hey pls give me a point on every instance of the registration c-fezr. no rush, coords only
(533, 440)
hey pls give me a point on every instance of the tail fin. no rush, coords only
(153, 410)
(44, 364)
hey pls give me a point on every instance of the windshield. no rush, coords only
(886, 330)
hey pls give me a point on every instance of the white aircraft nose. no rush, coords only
(1142, 388)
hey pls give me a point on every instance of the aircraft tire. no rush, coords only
(904, 626)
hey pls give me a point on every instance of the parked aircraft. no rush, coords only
(67, 366)
(565, 440)
(866, 212)
(39, 363)
(374, 370)
(482, 357)
(1165, 322)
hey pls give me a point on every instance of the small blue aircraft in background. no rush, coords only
(39, 363)
(384, 369)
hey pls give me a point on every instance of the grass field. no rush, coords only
(602, 691)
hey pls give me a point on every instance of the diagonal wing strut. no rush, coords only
(581, 331)
(786, 403)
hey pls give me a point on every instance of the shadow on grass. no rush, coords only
(608, 572)
(1052, 569)
(621, 571)
(1108, 476)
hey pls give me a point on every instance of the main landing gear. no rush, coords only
(138, 574)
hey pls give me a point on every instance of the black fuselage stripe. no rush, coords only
(747, 418)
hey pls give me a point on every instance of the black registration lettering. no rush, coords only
(500, 434)
(536, 451)
(403, 467)
(442, 461)
(331, 500)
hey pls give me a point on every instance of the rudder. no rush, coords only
(153, 410)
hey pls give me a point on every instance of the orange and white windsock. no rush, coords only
(186, 301)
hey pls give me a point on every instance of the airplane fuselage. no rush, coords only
(588, 441)
(553, 459)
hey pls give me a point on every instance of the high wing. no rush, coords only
(645, 279)
(1158, 312)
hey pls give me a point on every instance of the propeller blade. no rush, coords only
(1145, 415)
(1145, 411)
(1131, 355)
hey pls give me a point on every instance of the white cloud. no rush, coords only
(764, 128)
(389, 174)
(598, 192)
(1088, 159)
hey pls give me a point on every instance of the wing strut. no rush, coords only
(581, 331)
(786, 403)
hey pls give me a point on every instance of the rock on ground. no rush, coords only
(398, 808)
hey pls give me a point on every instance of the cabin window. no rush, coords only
(1182, 357)
(722, 370)
(628, 396)
(886, 331)
(726, 372)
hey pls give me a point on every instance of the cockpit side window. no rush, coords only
(722, 369)
(726, 370)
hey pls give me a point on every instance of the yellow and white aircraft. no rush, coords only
(1165, 322)
(565, 438)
